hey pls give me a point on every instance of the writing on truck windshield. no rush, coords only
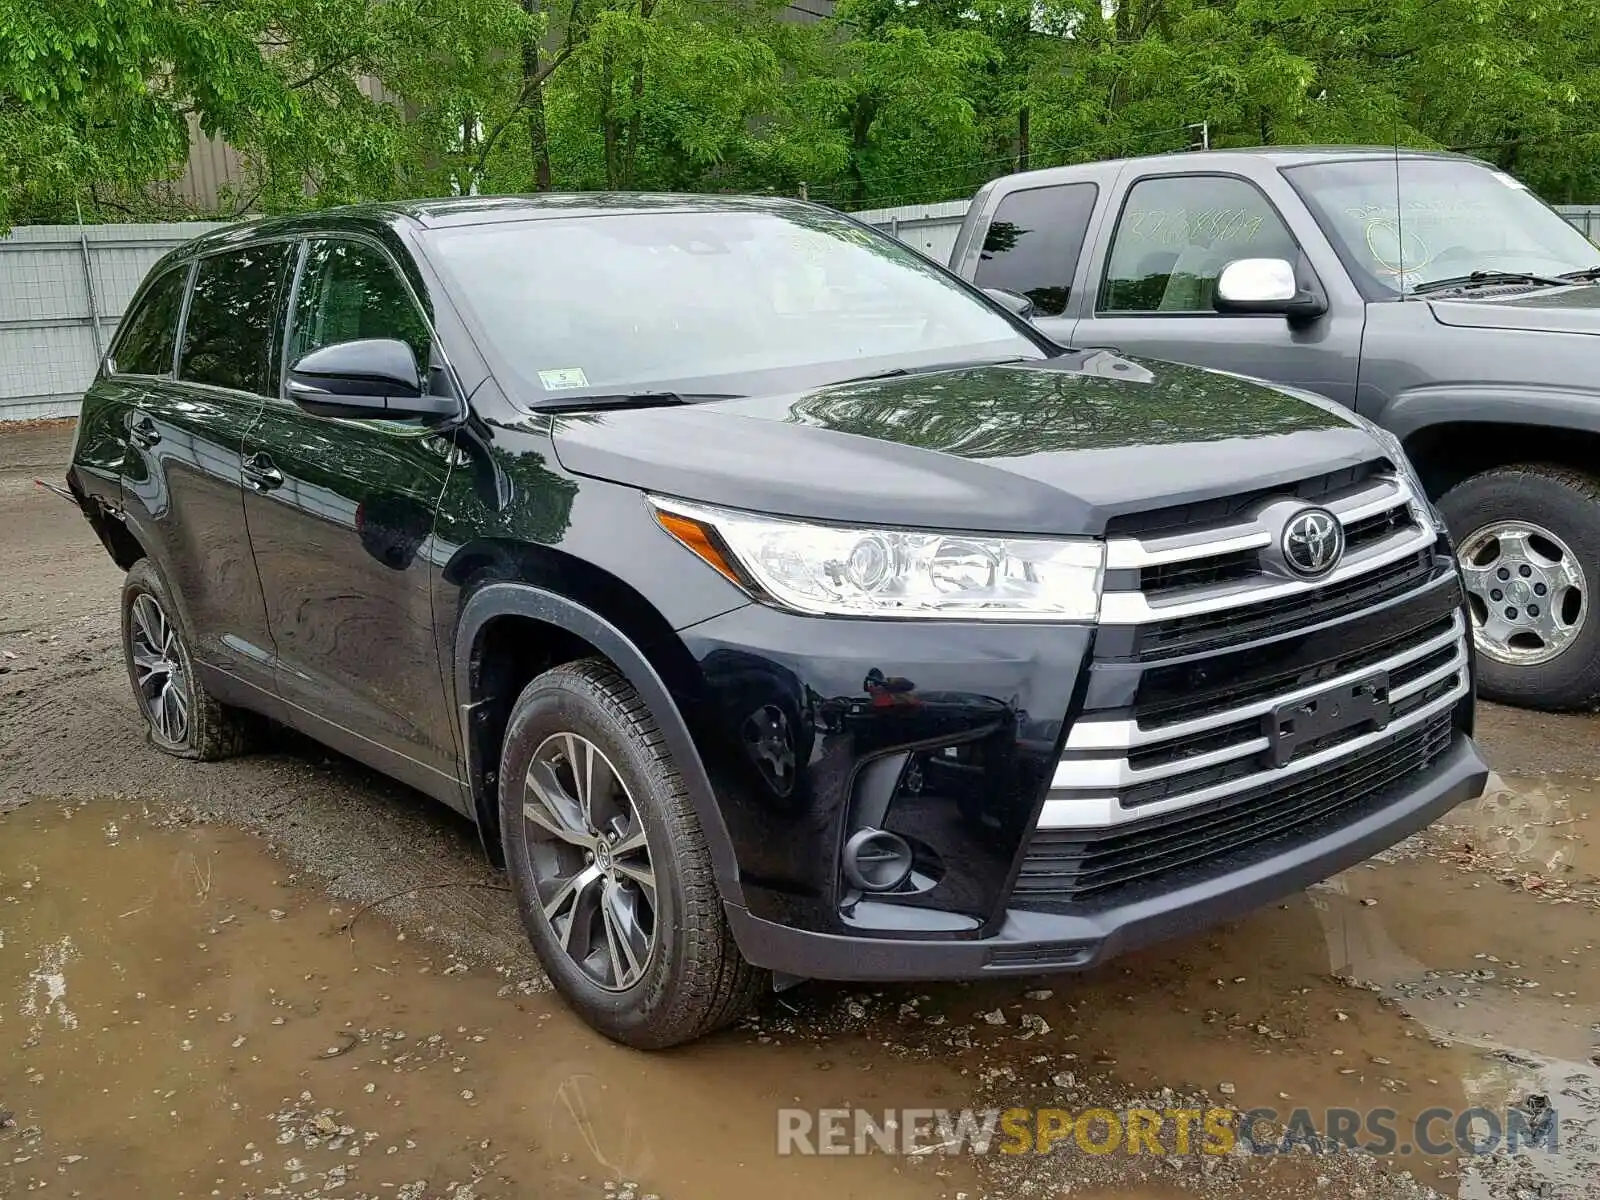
(1453, 217)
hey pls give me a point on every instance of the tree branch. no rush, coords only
(523, 96)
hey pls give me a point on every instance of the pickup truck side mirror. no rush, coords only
(1268, 286)
(1015, 302)
(370, 377)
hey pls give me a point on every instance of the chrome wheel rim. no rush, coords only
(158, 671)
(1528, 592)
(592, 874)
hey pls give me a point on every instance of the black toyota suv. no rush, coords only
(777, 604)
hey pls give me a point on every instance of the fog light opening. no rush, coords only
(876, 860)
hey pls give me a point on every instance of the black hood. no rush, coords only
(1058, 447)
(1558, 310)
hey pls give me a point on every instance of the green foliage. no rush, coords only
(892, 101)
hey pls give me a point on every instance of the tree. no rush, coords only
(891, 101)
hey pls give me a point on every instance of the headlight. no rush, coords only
(847, 571)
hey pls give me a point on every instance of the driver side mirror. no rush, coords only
(1268, 286)
(370, 377)
(1015, 302)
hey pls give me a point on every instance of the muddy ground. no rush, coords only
(287, 976)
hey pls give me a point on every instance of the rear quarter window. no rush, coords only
(149, 334)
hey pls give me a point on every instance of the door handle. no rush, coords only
(142, 431)
(260, 474)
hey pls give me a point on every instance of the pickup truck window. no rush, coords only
(150, 333)
(1034, 241)
(1456, 217)
(1175, 235)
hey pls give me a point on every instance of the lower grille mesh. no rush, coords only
(1068, 867)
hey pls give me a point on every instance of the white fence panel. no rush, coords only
(62, 292)
(930, 228)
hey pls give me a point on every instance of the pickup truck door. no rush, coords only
(1155, 267)
(1033, 245)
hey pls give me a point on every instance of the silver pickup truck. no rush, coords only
(1430, 292)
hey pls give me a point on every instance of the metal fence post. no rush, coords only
(88, 285)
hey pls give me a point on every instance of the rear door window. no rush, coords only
(150, 333)
(1034, 242)
(233, 311)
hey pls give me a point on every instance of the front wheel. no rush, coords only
(610, 866)
(1528, 538)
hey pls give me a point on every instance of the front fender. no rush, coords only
(1417, 409)
(524, 600)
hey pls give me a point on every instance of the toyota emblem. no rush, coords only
(1313, 542)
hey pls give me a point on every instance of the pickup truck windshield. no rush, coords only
(1456, 217)
(708, 302)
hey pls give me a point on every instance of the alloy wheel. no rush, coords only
(590, 861)
(1528, 592)
(158, 670)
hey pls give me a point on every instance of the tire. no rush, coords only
(690, 978)
(1527, 534)
(188, 722)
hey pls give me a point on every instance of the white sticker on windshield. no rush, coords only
(1509, 180)
(566, 377)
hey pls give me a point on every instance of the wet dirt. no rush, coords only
(179, 1020)
(1457, 970)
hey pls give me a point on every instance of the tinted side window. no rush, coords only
(1176, 234)
(228, 337)
(1034, 241)
(150, 332)
(348, 291)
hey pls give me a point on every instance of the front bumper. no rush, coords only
(1034, 942)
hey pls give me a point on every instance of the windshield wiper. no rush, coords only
(1485, 278)
(930, 369)
(1587, 275)
(604, 403)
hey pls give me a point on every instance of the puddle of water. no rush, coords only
(168, 1007)
(176, 1020)
(1540, 828)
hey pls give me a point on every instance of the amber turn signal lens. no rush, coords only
(693, 535)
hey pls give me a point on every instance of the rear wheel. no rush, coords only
(1529, 542)
(610, 866)
(182, 718)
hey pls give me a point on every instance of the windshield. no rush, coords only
(734, 301)
(1456, 217)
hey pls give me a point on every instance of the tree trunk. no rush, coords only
(636, 114)
(538, 135)
(860, 137)
(608, 121)
(1022, 138)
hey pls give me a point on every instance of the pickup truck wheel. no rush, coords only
(182, 718)
(1529, 542)
(609, 864)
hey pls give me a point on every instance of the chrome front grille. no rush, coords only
(1114, 771)
(1244, 706)
(1203, 588)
